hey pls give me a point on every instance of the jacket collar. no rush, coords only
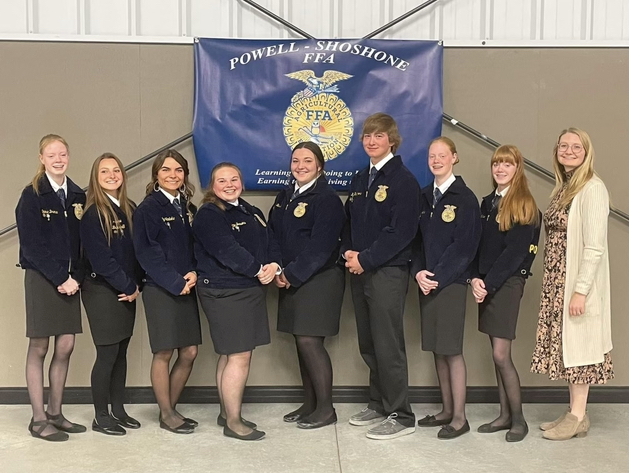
(393, 164)
(45, 187)
(456, 188)
(319, 185)
(162, 199)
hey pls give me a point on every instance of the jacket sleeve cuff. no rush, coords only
(365, 262)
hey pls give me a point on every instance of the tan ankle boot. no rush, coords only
(555, 423)
(570, 427)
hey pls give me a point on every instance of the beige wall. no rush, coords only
(132, 99)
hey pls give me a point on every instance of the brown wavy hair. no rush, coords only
(41, 170)
(97, 197)
(188, 189)
(209, 196)
(518, 207)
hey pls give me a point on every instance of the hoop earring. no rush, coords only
(183, 188)
(156, 186)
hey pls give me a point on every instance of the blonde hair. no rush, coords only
(41, 170)
(581, 174)
(449, 143)
(210, 196)
(97, 197)
(518, 206)
(383, 123)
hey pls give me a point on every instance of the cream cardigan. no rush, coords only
(586, 338)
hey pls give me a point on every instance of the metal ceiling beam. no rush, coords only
(400, 18)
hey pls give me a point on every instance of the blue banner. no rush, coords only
(256, 99)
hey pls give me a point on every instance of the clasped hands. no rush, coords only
(478, 289)
(352, 263)
(425, 283)
(191, 281)
(268, 273)
(70, 287)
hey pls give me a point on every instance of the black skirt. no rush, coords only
(110, 321)
(443, 320)
(48, 312)
(314, 308)
(498, 313)
(237, 317)
(172, 321)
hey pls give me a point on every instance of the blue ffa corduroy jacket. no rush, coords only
(49, 235)
(163, 242)
(449, 234)
(231, 245)
(309, 237)
(113, 263)
(504, 254)
(382, 220)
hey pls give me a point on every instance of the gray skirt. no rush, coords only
(48, 312)
(172, 321)
(110, 321)
(443, 320)
(313, 309)
(498, 313)
(238, 318)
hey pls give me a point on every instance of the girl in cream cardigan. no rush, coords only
(574, 328)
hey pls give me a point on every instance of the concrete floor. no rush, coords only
(340, 448)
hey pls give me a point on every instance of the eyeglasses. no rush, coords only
(576, 148)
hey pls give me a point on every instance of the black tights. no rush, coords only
(57, 374)
(316, 374)
(109, 377)
(452, 374)
(508, 386)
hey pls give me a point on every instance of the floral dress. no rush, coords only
(548, 354)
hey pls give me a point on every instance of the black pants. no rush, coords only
(379, 298)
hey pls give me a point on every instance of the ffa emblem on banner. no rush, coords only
(317, 114)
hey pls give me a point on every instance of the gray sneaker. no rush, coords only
(366, 417)
(389, 429)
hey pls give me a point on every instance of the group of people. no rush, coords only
(102, 248)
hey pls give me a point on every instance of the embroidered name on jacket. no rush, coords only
(48, 213)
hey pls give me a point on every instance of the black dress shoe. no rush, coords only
(57, 421)
(448, 432)
(190, 421)
(37, 427)
(306, 424)
(253, 435)
(296, 416)
(127, 421)
(490, 429)
(112, 428)
(183, 428)
(517, 436)
(432, 421)
(222, 422)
